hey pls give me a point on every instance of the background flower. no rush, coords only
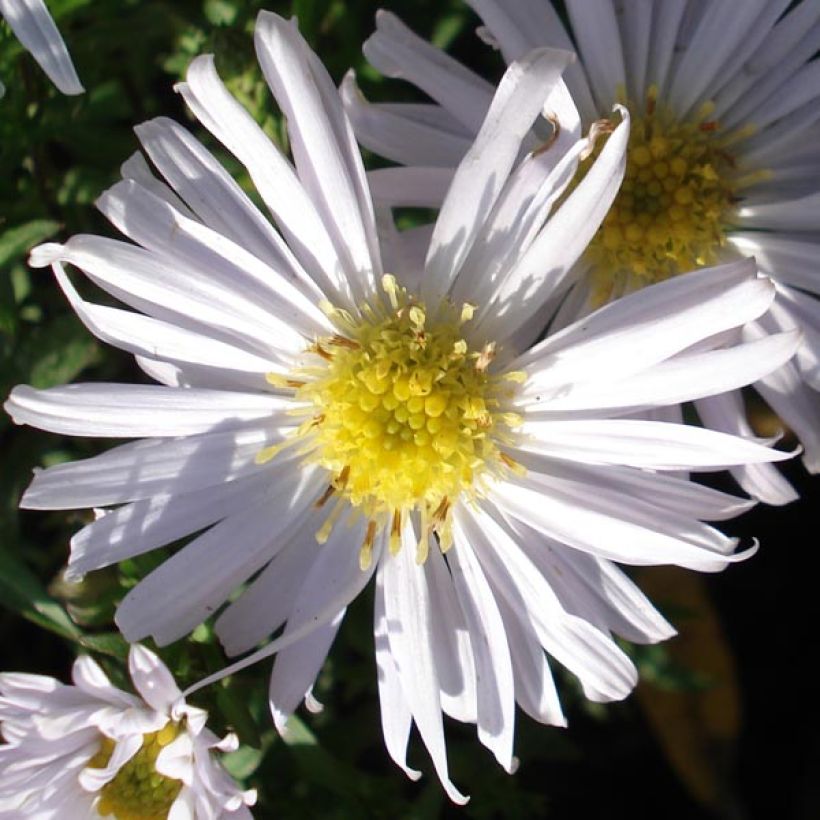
(92, 750)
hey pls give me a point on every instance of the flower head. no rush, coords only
(35, 29)
(721, 162)
(320, 421)
(91, 750)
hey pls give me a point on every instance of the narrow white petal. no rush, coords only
(546, 263)
(272, 174)
(535, 690)
(152, 679)
(682, 378)
(324, 148)
(495, 687)
(295, 670)
(652, 445)
(217, 199)
(134, 410)
(527, 24)
(452, 650)
(411, 637)
(396, 718)
(183, 591)
(267, 602)
(396, 51)
(726, 412)
(596, 30)
(718, 31)
(644, 328)
(204, 261)
(141, 469)
(484, 170)
(35, 29)
(604, 670)
(177, 339)
(145, 525)
(577, 523)
(415, 134)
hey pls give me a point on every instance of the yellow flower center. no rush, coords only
(403, 415)
(139, 791)
(676, 201)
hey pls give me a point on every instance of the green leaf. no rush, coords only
(106, 643)
(22, 592)
(18, 240)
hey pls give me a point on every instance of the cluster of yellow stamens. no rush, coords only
(139, 791)
(675, 203)
(403, 414)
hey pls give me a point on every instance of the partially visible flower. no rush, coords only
(90, 750)
(320, 421)
(34, 28)
(723, 159)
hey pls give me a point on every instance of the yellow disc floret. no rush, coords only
(139, 791)
(675, 203)
(403, 414)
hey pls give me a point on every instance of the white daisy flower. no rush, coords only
(722, 159)
(35, 29)
(320, 421)
(89, 750)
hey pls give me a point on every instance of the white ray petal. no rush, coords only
(135, 410)
(35, 29)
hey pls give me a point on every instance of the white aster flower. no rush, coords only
(90, 750)
(320, 422)
(722, 159)
(35, 29)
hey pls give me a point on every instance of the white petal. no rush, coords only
(296, 667)
(535, 689)
(396, 51)
(652, 445)
(324, 148)
(519, 214)
(526, 24)
(452, 649)
(604, 670)
(141, 469)
(93, 779)
(153, 338)
(152, 679)
(726, 412)
(411, 637)
(332, 583)
(643, 328)
(596, 31)
(217, 199)
(408, 133)
(545, 264)
(206, 265)
(484, 170)
(133, 410)
(718, 31)
(593, 526)
(35, 29)
(272, 174)
(396, 718)
(145, 525)
(682, 378)
(495, 688)
(267, 603)
(183, 591)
